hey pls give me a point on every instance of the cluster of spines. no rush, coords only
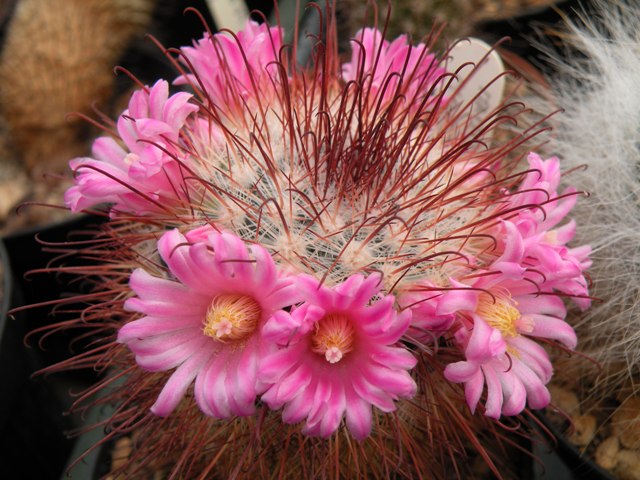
(372, 204)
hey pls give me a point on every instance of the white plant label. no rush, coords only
(231, 14)
(484, 65)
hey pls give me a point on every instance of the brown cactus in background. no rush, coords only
(58, 58)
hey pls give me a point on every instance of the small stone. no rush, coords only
(626, 423)
(565, 399)
(121, 451)
(607, 453)
(628, 467)
(585, 429)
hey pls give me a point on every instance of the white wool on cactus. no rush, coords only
(598, 136)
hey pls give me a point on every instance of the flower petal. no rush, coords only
(358, 416)
(177, 385)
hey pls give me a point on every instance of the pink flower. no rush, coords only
(385, 64)
(497, 333)
(228, 68)
(141, 174)
(207, 322)
(515, 372)
(516, 297)
(434, 308)
(338, 356)
(537, 236)
(516, 302)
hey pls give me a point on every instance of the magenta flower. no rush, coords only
(501, 353)
(385, 64)
(515, 300)
(500, 316)
(338, 356)
(138, 175)
(227, 68)
(539, 237)
(433, 308)
(207, 322)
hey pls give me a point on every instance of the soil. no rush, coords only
(607, 432)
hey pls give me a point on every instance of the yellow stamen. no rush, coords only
(333, 338)
(500, 312)
(232, 317)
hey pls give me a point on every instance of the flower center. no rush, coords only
(500, 312)
(232, 317)
(333, 338)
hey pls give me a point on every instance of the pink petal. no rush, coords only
(244, 389)
(562, 209)
(163, 341)
(212, 279)
(106, 149)
(459, 372)
(158, 297)
(493, 405)
(336, 407)
(298, 408)
(324, 390)
(174, 249)
(394, 358)
(351, 287)
(231, 256)
(154, 131)
(150, 326)
(214, 384)
(372, 395)
(177, 385)
(158, 361)
(177, 108)
(265, 268)
(453, 301)
(397, 383)
(167, 308)
(534, 356)
(358, 416)
(565, 233)
(515, 394)
(485, 342)
(360, 289)
(514, 247)
(236, 407)
(542, 304)
(473, 390)
(554, 328)
(126, 126)
(199, 389)
(275, 365)
(281, 328)
(293, 383)
(313, 292)
(378, 317)
(284, 294)
(316, 414)
(537, 394)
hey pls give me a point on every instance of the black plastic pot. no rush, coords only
(10, 372)
(27, 253)
(33, 442)
(565, 462)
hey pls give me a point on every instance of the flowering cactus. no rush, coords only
(309, 255)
